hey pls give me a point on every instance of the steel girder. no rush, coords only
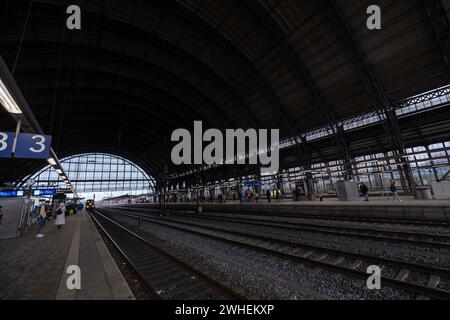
(440, 22)
(325, 109)
(371, 82)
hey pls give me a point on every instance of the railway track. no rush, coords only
(164, 275)
(402, 237)
(396, 274)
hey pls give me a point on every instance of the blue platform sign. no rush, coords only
(11, 193)
(33, 146)
(29, 146)
(44, 192)
(252, 184)
(6, 142)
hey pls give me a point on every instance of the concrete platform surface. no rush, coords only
(35, 269)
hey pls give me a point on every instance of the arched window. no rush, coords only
(96, 173)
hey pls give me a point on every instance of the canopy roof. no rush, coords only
(137, 70)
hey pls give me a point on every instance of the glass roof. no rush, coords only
(95, 172)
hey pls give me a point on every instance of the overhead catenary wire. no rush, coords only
(22, 36)
(58, 74)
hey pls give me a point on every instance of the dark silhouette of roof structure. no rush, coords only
(137, 70)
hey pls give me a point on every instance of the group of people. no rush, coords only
(47, 213)
(364, 190)
(248, 196)
(276, 195)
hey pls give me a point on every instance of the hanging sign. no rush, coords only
(29, 146)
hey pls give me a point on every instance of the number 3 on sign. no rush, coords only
(33, 146)
(40, 143)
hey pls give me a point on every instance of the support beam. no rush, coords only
(326, 111)
(371, 82)
(439, 17)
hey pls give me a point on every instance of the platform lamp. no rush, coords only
(7, 100)
(10, 105)
(52, 162)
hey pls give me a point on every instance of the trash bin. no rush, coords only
(423, 193)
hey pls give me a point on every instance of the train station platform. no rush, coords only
(377, 207)
(36, 269)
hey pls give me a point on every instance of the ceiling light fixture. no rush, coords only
(7, 100)
(51, 161)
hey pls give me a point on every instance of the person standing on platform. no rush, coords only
(71, 209)
(35, 213)
(277, 195)
(319, 195)
(61, 215)
(80, 208)
(394, 191)
(49, 210)
(41, 220)
(269, 196)
(364, 191)
(296, 194)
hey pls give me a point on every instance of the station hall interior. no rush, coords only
(101, 162)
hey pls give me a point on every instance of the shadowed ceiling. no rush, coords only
(137, 70)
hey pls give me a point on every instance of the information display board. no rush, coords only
(44, 192)
(11, 193)
(252, 184)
